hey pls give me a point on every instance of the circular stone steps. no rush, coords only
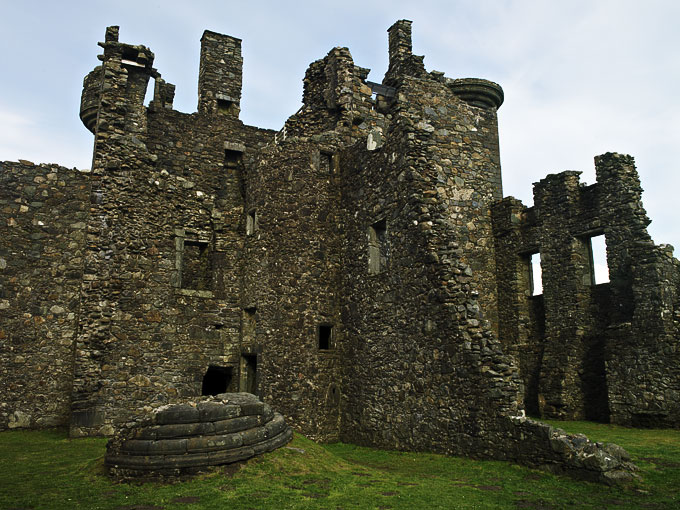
(180, 439)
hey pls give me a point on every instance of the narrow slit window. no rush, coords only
(325, 337)
(378, 248)
(535, 275)
(150, 92)
(598, 260)
(248, 381)
(251, 223)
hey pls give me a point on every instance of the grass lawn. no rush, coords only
(45, 470)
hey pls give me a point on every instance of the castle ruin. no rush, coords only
(360, 269)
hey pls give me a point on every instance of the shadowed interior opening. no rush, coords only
(216, 380)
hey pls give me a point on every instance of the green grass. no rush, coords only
(45, 470)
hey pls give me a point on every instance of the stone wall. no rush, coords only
(291, 284)
(420, 345)
(43, 210)
(294, 260)
(165, 231)
(608, 351)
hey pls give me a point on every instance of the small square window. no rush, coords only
(232, 158)
(224, 106)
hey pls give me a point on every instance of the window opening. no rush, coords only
(150, 92)
(326, 163)
(599, 270)
(251, 223)
(232, 159)
(196, 265)
(535, 274)
(333, 396)
(378, 249)
(325, 337)
(216, 380)
(231, 185)
(224, 106)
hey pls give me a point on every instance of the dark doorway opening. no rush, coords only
(594, 382)
(216, 380)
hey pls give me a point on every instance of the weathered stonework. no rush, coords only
(605, 352)
(43, 226)
(359, 269)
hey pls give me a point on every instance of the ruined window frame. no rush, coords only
(184, 237)
(203, 278)
(590, 275)
(531, 266)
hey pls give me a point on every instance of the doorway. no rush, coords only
(248, 381)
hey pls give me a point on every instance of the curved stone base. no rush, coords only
(182, 439)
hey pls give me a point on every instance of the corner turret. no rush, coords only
(125, 68)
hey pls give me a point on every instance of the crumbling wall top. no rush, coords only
(402, 60)
(129, 54)
(220, 75)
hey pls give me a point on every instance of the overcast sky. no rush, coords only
(580, 78)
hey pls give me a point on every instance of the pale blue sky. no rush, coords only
(581, 77)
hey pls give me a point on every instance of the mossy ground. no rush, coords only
(45, 470)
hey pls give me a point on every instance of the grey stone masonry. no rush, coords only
(606, 352)
(43, 229)
(359, 270)
(220, 75)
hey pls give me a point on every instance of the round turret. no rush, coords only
(89, 100)
(478, 92)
